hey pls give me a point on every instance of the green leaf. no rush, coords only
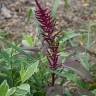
(29, 14)
(55, 7)
(94, 92)
(22, 90)
(81, 84)
(11, 91)
(4, 88)
(28, 40)
(68, 36)
(25, 87)
(70, 75)
(29, 72)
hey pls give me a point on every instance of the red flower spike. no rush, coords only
(47, 24)
(45, 19)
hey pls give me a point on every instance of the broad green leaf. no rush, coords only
(11, 91)
(25, 87)
(68, 36)
(4, 88)
(29, 72)
(22, 90)
(28, 41)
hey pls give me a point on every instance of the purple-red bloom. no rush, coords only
(45, 19)
(47, 25)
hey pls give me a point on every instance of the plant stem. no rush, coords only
(53, 79)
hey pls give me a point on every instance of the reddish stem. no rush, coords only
(53, 79)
